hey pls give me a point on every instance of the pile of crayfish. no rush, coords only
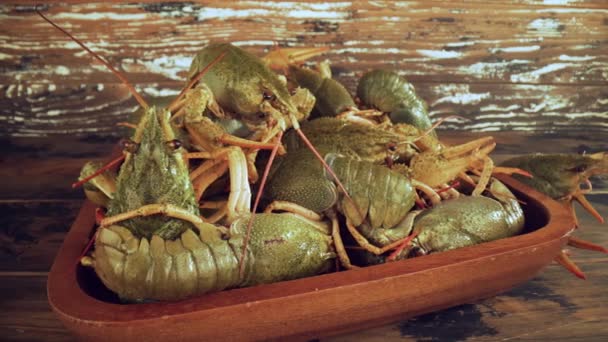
(346, 181)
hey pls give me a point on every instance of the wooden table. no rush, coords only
(529, 72)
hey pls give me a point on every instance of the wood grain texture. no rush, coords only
(533, 73)
(526, 65)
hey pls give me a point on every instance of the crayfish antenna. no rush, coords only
(132, 90)
(404, 244)
(563, 259)
(258, 196)
(98, 172)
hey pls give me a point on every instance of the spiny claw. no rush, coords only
(484, 145)
(563, 259)
(281, 58)
(450, 161)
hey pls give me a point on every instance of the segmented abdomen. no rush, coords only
(391, 93)
(163, 269)
(332, 97)
(282, 247)
(380, 194)
(466, 221)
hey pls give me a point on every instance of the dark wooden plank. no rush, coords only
(84, 110)
(452, 42)
(27, 314)
(31, 233)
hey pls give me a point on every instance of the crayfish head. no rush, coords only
(560, 175)
(154, 172)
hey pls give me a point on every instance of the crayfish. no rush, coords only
(560, 176)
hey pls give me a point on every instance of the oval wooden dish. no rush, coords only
(316, 306)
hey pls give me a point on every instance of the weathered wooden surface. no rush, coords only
(535, 66)
(532, 73)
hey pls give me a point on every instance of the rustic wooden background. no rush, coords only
(532, 73)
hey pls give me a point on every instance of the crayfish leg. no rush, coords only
(582, 244)
(580, 198)
(339, 245)
(563, 259)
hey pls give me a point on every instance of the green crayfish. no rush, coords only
(560, 176)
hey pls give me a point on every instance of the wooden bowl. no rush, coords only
(315, 306)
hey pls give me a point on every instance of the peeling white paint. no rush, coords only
(370, 51)
(460, 44)
(495, 108)
(571, 10)
(10, 91)
(168, 66)
(515, 49)
(491, 69)
(301, 5)
(208, 13)
(567, 58)
(547, 26)
(55, 112)
(499, 116)
(153, 91)
(5, 56)
(360, 42)
(463, 98)
(533, 76)
(440, 54)
(62, 70)
(559, 2)
(52, 87)
(95, 16)
(535, 108)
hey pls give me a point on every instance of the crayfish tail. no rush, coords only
(563, 259)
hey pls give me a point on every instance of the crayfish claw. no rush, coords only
(280, 58)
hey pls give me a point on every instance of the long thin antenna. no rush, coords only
(139, 99)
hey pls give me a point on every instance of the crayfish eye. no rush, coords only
(391, 147)
(174, 144)
(129, 145)
(268, 95)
